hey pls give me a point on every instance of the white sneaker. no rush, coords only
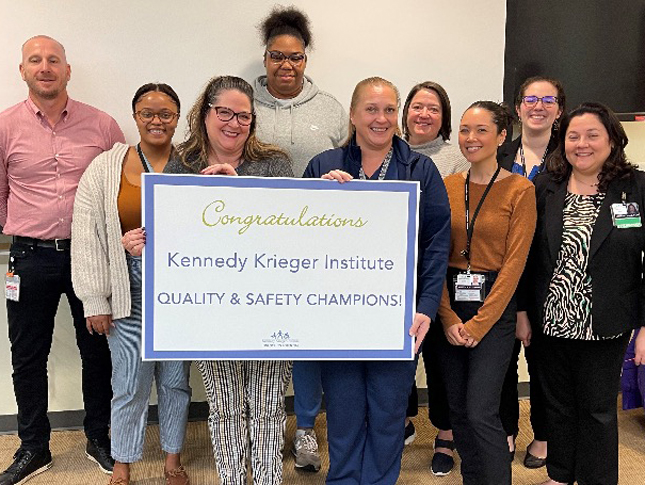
(305, 449)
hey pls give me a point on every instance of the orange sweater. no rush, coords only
(501, 240)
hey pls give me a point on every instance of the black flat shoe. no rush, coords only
(532, 461)
(442, 463)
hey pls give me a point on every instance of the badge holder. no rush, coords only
(625, 214)
(11, 283)
(469, 286)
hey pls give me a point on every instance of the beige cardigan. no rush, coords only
(99, 268)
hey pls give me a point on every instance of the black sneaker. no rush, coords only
(410, 433)
(26, 464)
(98, 451)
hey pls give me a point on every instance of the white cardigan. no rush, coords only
(99, 267)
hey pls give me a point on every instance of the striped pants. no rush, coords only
(132, 383)
(246, 400)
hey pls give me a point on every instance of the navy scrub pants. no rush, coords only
(366, 406)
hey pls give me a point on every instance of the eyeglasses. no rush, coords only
(146, 116)
(547, 101)
(277, 57)
(244, 118)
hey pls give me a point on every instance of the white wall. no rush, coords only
(114, 47)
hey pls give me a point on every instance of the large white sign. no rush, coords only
(266, 268)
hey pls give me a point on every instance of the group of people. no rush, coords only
(526, 242)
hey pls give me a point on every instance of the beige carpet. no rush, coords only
(72, 468)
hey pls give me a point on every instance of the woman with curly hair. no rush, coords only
(293, 113)
(586, 267)
(245, 397)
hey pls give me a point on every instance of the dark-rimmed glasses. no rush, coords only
(147, 115)
(547, 101)
(277, 57)
(225, 114)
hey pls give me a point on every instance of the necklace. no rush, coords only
(587, 184)
(384, 167)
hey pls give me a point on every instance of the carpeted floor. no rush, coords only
(72, 468)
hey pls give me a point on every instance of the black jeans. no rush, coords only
(474, 379)
(45, 275)
(581, 380)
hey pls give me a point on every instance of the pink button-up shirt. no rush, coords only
(40, 166)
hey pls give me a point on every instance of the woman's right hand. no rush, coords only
(100, 324)
(219, 169)
(338, 175)
(453, 334)
(523, 330)
(134, 240)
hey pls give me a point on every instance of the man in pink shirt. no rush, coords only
(46, 143)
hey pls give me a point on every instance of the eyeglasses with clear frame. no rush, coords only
(277, 57)
(146, 116)
(244, 118)
(547, 101)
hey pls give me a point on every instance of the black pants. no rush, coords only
(474, 379)
(581, 381)
(437, 398)
(44, 277)
(509, 409)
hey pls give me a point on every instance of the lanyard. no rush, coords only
(384, 167)
(470, 225)
(144, 161)
(524, 160)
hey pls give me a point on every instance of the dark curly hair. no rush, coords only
(616, 165)
(502, 117)
(446, 128)
(286, 21)
(155, 87)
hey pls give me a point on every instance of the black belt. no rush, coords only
(57, 244)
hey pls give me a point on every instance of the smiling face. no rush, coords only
(539, 118)
(586, 144)
(44, 68)
(227, 138)
(478, 137)
(284, 80)
(375, 117)
(155, 132)
(424, 117)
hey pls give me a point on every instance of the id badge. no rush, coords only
(469, 287)
(626, 215)
(12, 286)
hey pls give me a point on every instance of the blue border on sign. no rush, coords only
(151, 180)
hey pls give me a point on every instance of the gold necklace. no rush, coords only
(582, 182)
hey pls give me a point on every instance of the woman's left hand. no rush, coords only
(219, 169)
(639, 347)
(471, 342)
(338, 175)
(419, 329)
(134, 240)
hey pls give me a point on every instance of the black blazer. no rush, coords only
(508, 151)
(506, 155)
(615, 256)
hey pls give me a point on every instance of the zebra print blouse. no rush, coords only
(567, 309)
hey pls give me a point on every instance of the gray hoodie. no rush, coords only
(304, 126)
